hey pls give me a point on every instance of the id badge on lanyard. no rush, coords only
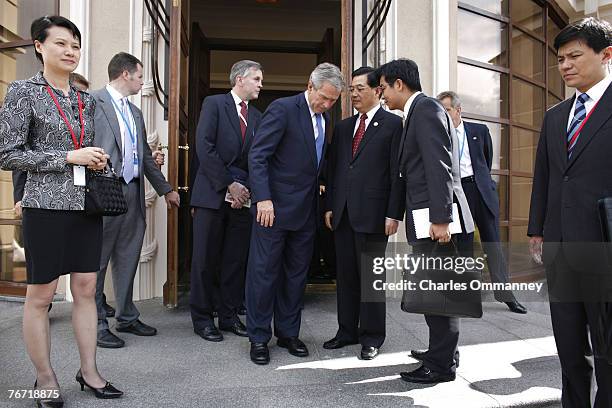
(78, 171)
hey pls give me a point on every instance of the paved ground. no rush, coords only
(507, 360)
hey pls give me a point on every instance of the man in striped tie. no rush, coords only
(572, 172)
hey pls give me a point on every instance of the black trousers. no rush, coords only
(361, 310)
(570, 321)
(220, 251)
(488, 228)
(443, 331)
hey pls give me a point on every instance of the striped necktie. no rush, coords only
(579, 116)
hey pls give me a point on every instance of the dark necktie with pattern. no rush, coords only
(359, 134)
(243, 113)
(574, 130)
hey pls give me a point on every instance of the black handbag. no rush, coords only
(104, 193)
(461, 300)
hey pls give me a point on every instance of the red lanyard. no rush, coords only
(77, 145)
(582, 125)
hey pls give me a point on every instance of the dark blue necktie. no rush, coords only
(579, 116)
(320, 140)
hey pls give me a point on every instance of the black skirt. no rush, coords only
(59, 242)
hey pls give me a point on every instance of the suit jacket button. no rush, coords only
(566, 178)
(351, 166)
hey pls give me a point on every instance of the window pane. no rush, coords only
(551, 31)
(492, 6)
(16, 63)
(16, 17)
(482, 39)
(527, 14)
(527, 103)
(520, 193)
(502, 191)
(524, 144)
(527, 56)
(483, 92)
(552, 100)
(555, 82)
(499, 138)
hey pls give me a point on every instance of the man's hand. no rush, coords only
(18, 209)
(265, 213)
(328, 219)
(239, 193)
(173, 199)
(535, 248)
(321, 189)
(440, 232)
(159, 157)
(391, 226)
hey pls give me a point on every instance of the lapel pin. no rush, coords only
(375, 123)
(474, 138)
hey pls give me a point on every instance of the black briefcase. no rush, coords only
(464, 300)
(104, 193)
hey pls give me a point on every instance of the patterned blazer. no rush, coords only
(35, 138)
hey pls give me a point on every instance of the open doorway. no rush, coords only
(288, 37)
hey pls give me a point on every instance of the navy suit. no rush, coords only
(221, 234)
(283, 168)
(481, 194)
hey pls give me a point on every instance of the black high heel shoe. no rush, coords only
(107, 392)
(55, 402)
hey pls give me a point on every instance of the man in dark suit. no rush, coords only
(284, 167)
(572, 172)
(120, 130)
(475, 160)
(221, 201)
(365, 202)
(429, 166)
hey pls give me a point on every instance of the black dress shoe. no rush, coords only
(106, 392)
(106, 339)
(210, 333)
(260, 353)
(110, 311)
(237, 328)
(138, 328)
(336, 343)
(420, 354)
(294, 345)
(368, 353)
(424, 375)
(54, 400)
(242, 311)
(516, 307)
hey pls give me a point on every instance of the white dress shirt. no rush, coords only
(313, 119)
(595, 94)
(409, 104)
(465, 161)
(370, 114)
(117, 97)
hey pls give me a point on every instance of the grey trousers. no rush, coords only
(121, 245)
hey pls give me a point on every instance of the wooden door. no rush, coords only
(178, 146)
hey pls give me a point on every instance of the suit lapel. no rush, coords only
(370, 133)
(347, 139)
(598, 117)
(232, 115)
(307, 129)
(111, 116)
(472, 139)
(139, 130)
(560, 134)
(407, 124)
(250, 130)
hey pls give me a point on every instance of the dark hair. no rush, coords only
(597, 34)
(39, 30)
(122, 62)
(404, 69)
(76, 77)
(370, 72)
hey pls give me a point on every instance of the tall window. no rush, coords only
(507, 78)
(17, 61)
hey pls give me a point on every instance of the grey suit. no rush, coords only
(429, 164)
(123, 235)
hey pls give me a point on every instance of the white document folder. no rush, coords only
(422, 224)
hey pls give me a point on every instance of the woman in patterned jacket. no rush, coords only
(46, 129)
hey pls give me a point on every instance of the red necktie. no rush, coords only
(359, 134)
(244, 114)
